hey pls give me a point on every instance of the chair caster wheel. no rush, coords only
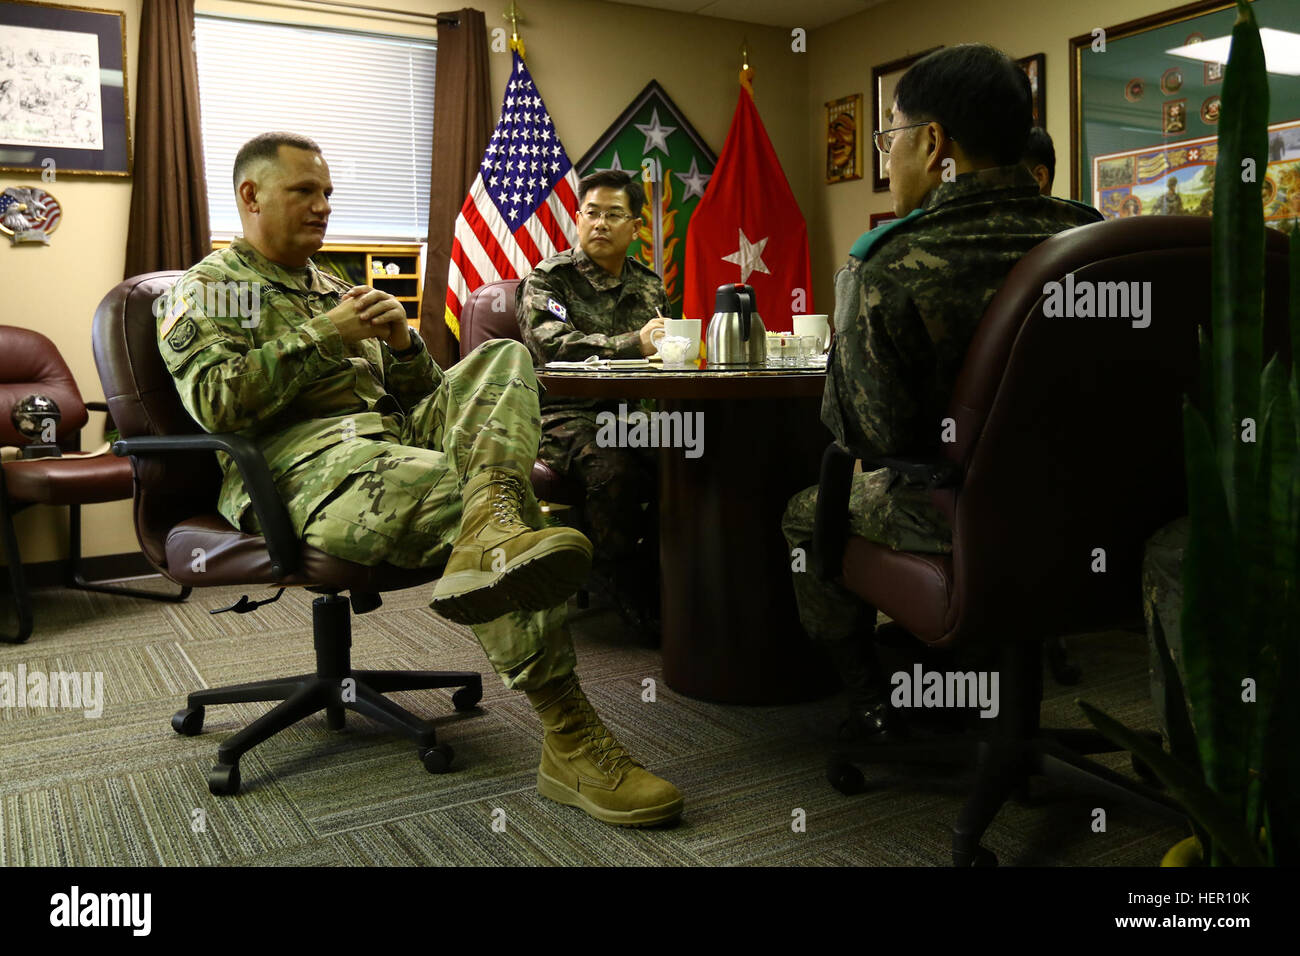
(223, 780)
(1144, 771)
(188, 721)
(437, 759)
(845, 777)
(467, 697)
(981, 857)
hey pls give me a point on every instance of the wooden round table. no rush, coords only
(731, 629)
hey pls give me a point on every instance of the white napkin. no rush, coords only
(596, 361)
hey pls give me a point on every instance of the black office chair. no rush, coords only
(177, 483)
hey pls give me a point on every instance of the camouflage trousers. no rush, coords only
(899, 517)
(398, 499)
(617, 481)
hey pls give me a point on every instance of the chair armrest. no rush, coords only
(831, 522)
(277, 529)
(928, 474)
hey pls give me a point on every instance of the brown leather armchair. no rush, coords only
(30, 364)
(489, 313)
(177, 482)
(1068, 439)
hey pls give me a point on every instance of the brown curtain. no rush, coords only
(462, 126)
(169, 199)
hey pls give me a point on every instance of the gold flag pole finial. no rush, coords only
(512, 14)
(746, 73)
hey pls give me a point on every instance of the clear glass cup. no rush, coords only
(775, 355)
(810, 349)
(674, 349)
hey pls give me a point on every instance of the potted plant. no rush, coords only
(1234, 723)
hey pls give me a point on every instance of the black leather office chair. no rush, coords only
(177, 482)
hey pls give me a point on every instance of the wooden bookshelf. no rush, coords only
(355, 263)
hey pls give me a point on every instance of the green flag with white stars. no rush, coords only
(652, 138)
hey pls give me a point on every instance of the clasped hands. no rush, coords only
(366, 313)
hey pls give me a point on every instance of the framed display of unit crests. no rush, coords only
(1144, 109)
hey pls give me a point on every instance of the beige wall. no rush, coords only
(841, 56)
(590, 59)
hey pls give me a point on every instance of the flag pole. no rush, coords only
(652, 179)
(516, 42)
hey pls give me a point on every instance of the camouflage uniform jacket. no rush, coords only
(570, 308)
(282, 377)
(905, 316)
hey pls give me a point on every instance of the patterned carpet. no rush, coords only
(124, 790)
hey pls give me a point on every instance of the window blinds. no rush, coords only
(366, 99)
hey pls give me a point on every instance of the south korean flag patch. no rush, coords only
(557, 310)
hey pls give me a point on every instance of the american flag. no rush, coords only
(523, 206)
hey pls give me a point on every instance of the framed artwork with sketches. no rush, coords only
(63, 93)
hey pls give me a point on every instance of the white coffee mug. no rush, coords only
(817, 325)
(687, 329)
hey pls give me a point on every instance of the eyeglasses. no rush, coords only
(613, 217)
(883, 140)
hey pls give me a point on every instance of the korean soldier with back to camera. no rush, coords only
(907, 304)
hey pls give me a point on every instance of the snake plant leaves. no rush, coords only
(1216, 654)
(1178, 723)
(1218, 818)
(1237, 280)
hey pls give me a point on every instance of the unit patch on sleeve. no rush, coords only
(557, 309)
(183, 335)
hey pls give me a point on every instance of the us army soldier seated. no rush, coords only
(596, 300)
(380, 456)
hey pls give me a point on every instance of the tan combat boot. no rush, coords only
(584, 766)
(498, 564)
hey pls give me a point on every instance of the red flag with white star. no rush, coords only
(748, 229)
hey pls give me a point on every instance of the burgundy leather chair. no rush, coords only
(176, 486)
(30, 364)
(489, 313)
(1068, 439)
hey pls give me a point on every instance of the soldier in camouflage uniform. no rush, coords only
(907, 304)
(380, 456)
(596, 300)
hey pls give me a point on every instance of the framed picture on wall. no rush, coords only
(880, 218)
(884, 79)
(1035, 68)
(844, 139)
(63, 95)
(1144, 106)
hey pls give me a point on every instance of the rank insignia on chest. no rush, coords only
(557, 309)
(183, 335)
